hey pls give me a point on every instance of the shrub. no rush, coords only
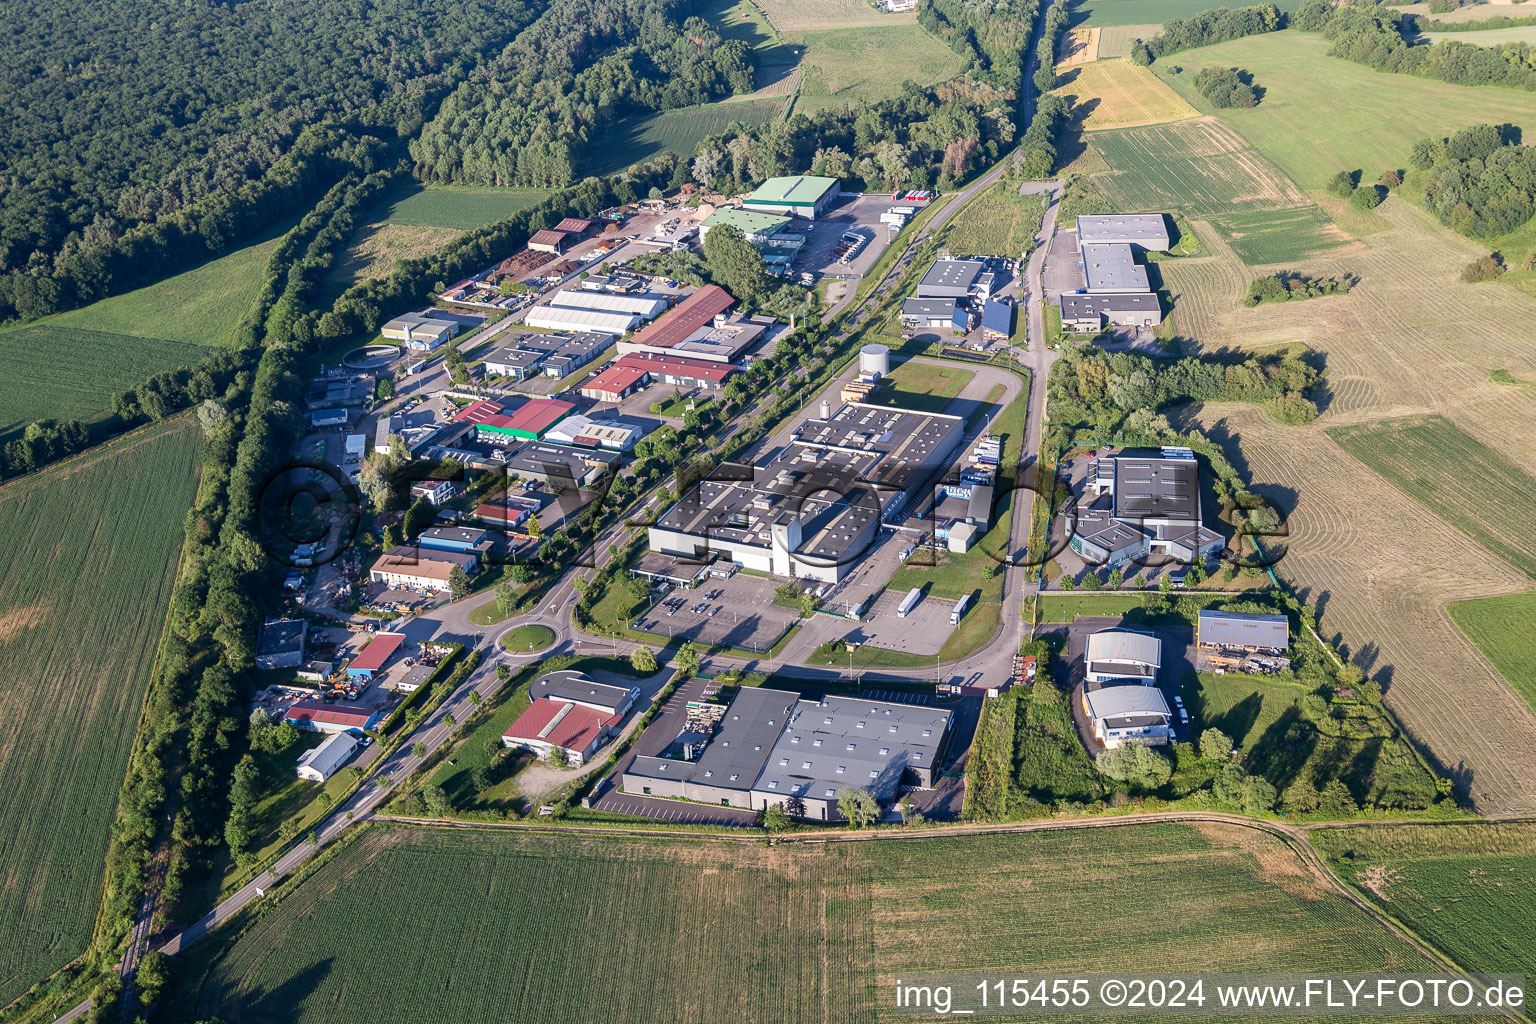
(1366, 197)
(1484, 268)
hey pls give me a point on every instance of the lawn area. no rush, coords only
(1119, 94)
(999, 222)
(1142, 12)
(922, 386)
(1447, 471)
(202, 306)
(457, 208)
(64, 373)
(1205, 170)
(865, 65)
(1503, 629)
(1468, 889)
(1242, 706)
(804, 15)
(527, 639)
(812, 932)
(633, 139)
(284, 797)
(87, 560)
(1487, 36)
(1303, 126)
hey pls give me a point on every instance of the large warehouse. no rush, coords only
(773, 747)
(1146, 231)
(814, 509)
(644, 306)
(1138, 503)
(562, 318)
(1122, 656)
(803, 195)
(950, 279)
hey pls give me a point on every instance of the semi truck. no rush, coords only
(909, 602)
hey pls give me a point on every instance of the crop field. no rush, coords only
(1119, 94)
(793, 16)
(676, 131)
(1501, 628)
(199, 307)
(374, 248)
(1409, 340)
(1486, 37)
(1117, 40)
(1449, 472)
(460, 209)
(777, 62)
(66, 373)
(87, 557)
(1143, 12)
(854, 65)
(999, 222)
(1080, 47)
(1302, 126)
(1468, 889)
(1207, 171)
(787, 933)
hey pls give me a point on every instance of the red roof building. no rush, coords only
(574, 226)
(478, 412)
(576, 730)
(318, 717)
(630, 373)
(616, 382)
(548, 241)
(528, 421)
(373, 657)
(694, 312)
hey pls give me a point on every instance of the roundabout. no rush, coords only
(528, 640)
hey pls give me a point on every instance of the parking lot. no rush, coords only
(741, 613)
(1178, 659)
(922, 631)
(1063, 271)
(858, 213)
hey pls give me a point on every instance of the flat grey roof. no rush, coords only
(280, 635)
(734, 758)
(1123, 645)
(1075, 307)
(1244, 629)
(1152, 487)
(1148, 230)
(928, 307)
(1133, 699)
(461, 534)
(572, 686)
(1112, 267)
(852, 741)
(416, 553)
(947, 277)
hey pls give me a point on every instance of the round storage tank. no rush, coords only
(875, 359)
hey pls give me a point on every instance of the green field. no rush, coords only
(1474, 488)
(525, 639)
(1242, 706)
(1486, 37)
(1504, 630)
(1145, 12)
(865, 65)
(64, 373)
(87, 557)
(1117, 40)
(502, 926)
(922, 386)
(634, 139)
(999, 222)
(463, 209)
(1468, 889)
(1207, 171)
(1322, 114)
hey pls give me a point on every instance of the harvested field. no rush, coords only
(810, 15)
(1476, 489)
(1469, 889)
(1486, 37)
(374, 249)
(796, 933)
(87, 556)
(1080, 47)
(1501, 628)
(1116, 40)
(1119, 94)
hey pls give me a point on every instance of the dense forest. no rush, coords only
(120, 113)
(992, 34)
(527, 117)
(1481, 181)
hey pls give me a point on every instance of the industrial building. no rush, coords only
(755, 225)
(549, 240)
(643, 306)
(576, 688)
(549, 355)
(996, 321)
(419, 570)
(374, 655)
(933, 314)
(1146, 231)
(771, 747)
(815, 507)
(1089, 313)
(280, 644)
(1111, 268)
(1119, 655)
(452, 538)
(314, 716)
(1122, 714)
(586, 432)
(1116, 290)
(563, 318)
(950, 279)
(802, 195)
(1265, 634)
(570, 712)
(319, 763)
(496, 424)
(560, 467)
(1138, 503)
(697, 328)
(422, 331)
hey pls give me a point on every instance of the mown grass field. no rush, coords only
(67, 373)
(518, 927)
(1504, 630)
(1142, 12)
(1119, 94)
(1468, 889)
(1478, 490)
(1207, 171)
(1242, 706)
(1321, 114)
(87, 557)
(999, 222)
(789, 16)
(922, 386)
(677, 131)
(864, 65)
(459, 209)
(1117, 40)
(1487, 36)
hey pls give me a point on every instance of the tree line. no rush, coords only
(1480, 181)
(528, 118)
(1286, 286)
(195, 104)
(1208, 27)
